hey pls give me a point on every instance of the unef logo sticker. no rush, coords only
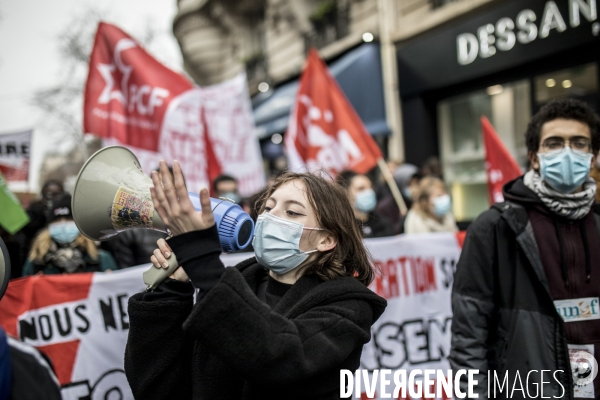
(578, 309)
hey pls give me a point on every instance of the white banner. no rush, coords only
(224, 111)
(81, 320)
(414, 331)
(230, 125)
(14, 155)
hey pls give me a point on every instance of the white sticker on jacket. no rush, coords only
(576, 310)
(585, 369)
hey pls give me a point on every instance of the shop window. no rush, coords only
(578, 81)
(508, 107)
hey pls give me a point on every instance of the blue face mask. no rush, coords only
(277, 243)
(63, 232)
(442, 205)
(366, 201)
(565, 170)
(232, 196)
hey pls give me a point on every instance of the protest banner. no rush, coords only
(81, 320)
(230, 125)
(14, 156)
(134, 101)
(416, 280)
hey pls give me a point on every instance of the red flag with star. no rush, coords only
(128, 91)
(324, 129)
(500, 165)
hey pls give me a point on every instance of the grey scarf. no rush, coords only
(69, 258)
(572, 205)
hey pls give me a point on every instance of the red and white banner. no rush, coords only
(500, 165)
(324, 129)
(133, 100)
(414, 331)
(230, 125)
(14, 156)
(81, 320)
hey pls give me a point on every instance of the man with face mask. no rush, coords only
(526, 288)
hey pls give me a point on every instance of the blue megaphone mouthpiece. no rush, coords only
(234, 225)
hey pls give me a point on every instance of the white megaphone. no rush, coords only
(4, 268)
(112, 194)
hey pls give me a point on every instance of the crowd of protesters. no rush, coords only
(51, 244)
(520, 257)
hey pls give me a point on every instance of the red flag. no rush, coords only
(133, 100)
(128, 91)
(324, 130)
(500, 166)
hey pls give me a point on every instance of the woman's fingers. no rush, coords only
(169, 188)
(179, 184)
(159, 201)
(164, 248)
(207, 214)
(158, 260)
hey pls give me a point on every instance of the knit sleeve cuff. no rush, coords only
(199, 253)
(195, 244)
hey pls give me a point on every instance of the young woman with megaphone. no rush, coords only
(280, 325)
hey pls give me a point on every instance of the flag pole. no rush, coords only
(387, 175)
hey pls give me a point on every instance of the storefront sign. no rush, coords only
(525, 28)
(513, 33)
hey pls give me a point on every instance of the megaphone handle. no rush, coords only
(154, 276)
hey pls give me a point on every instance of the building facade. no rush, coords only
(443, 64)
(503, 60)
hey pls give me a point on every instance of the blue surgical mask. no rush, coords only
(442, 205)
(63, 232)
(366, 201)
(231, 196)
(565, 170)
(406, 192)
(277, 243)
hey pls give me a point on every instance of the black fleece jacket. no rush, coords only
(231, 345)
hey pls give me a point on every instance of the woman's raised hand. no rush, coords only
(171, 201)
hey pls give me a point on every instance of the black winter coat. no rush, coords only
(504, 317)
(230, 345)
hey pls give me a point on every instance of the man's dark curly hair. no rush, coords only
(563, 108)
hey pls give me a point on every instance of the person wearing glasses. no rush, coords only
(527, 284)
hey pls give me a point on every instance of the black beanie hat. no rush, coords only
(61, 207)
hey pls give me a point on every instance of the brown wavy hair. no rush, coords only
(334, 214)
(41, 246)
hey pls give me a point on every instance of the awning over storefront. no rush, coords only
(358, 73)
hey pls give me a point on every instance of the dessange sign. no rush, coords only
(528, 26)
(505, 35)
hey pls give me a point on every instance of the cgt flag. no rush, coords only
(133, 100)
(324, 130)
(500, 166)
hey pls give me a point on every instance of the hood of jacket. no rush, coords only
(517, 192)
(310, 291)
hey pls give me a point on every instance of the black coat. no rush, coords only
(231, 345)
(504, 318)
